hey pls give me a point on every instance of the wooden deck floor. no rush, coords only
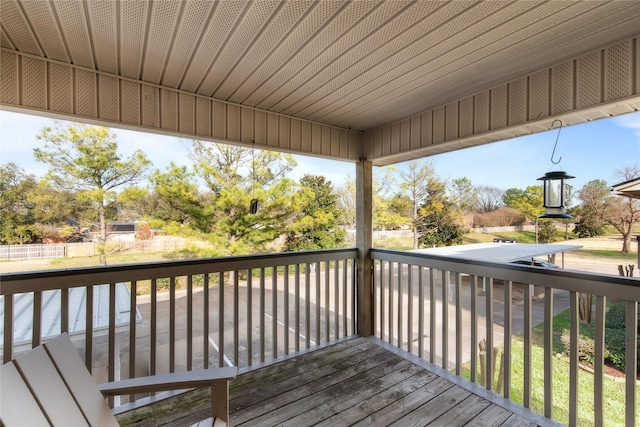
(356, 382)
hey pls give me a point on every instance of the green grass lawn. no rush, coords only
(614, 390)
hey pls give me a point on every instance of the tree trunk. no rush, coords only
(626, 242)
(103, 234)
(415, 223)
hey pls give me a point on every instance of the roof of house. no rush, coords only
(629, 188)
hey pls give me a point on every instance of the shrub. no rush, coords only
(614, 341)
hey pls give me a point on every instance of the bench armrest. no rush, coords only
(165, 382)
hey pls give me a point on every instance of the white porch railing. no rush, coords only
(216, 312)
(439, 308)
(239, 311)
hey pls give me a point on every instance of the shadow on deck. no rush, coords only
(361, 381)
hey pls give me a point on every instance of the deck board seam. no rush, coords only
(474, 388)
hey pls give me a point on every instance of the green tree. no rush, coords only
(463, 195)
(415, 185)
(347, 202)
(547, 232)
(215, 198)
(590, 216)
(439, 221)
(316, 224)
(529, 201)
(179, 198)
(17, 220)
(84, 159)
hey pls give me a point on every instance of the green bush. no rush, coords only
(614, 338)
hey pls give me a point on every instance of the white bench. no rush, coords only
(49, 385)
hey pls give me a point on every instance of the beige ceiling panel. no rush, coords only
(518, 101)
(336, 62)
(335, 143)
(284, 136)
(222, 22)
(481, 111)
(618, 82)
(73, 22)
(133, 18)
(301, 35)
(588, 78)
(562, 88)
(416, 132)
(248, 121)
(17, 27)
(331, 24)
(296, 73)
(411, 68)
(164, 16)
(451, 121)
(34, 76)
(245, 34)
(9, 84)
(260, 128)
(41, 15)
(187, 108)
(296, 135)
(275, 34)
(273, 128)
(168, 110)
(86, 92)
(539, 95)
(495, 59)
(192, 22)
(466, 117)
(61, 86)
(405, 135)
(109, 98)
(234, 122)
(203, 116)
(427, 128)
(219, 120)
(5, 41)
(150, 114)
(103, 22)
(130, 102)
(456, 53)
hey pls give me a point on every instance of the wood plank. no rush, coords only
(18, 407)
(517, 421)
(335, 403)
(297, 376)
(463, 412)
(80, 383)
(298, 364)
(493, 415)
(404, 404)
(433, 408)
(49, 389)
(362, 403)
(339, 383)
(307, 384)
(355, 382)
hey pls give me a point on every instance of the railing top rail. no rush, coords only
(627, 288)
(12, 283)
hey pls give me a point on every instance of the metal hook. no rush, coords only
(556, 144)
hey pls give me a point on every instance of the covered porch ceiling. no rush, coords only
(379, 80)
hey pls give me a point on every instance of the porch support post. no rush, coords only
(364, 241)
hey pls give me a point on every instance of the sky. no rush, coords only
(594, 150)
